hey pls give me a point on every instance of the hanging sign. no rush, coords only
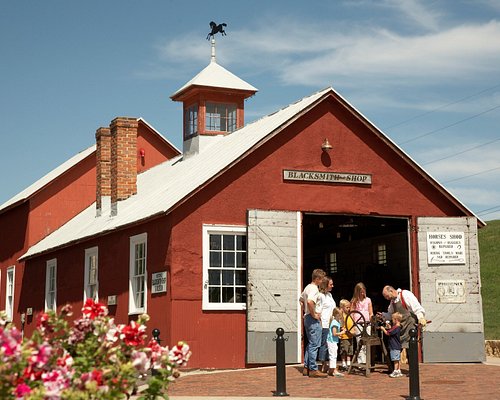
(159, 282)
(446, 247)
(328, 177)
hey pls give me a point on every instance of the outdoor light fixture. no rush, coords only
(326, 146)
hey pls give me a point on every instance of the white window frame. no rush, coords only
(381, 250)
(191, 121)
(332, 262)
(10, 287)
(222, 119)
(132, 306)
(207, 231)
(91, 253)
(49, 265)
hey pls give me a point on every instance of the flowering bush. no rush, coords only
(92, 358)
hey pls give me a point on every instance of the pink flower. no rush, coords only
(82, 326)
(22, 390)
(40, 356)
(10, 342)
(179, 354)
(43, 323)
(159, 354)
(92, 310)
(54, 383)
(65, 361)
(133, 334)
(140, 361)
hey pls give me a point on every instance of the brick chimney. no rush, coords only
(103, 166)
(123, 160)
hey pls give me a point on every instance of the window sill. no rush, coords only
(224, 307)
(137, 312)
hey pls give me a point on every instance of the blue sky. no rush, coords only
(427, 73)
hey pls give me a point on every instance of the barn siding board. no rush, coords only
(273, 284)
(450, 320)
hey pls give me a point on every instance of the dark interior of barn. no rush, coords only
(351, 249)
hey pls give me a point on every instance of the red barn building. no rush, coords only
(55, 199)
(215, 244)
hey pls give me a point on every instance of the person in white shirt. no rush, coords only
(404, 302)
(311, 305)
(327, 306)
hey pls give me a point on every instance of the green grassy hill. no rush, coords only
(489, 251)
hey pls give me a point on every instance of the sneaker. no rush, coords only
(395, 374)
(338, 375)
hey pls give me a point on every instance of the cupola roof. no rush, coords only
(215, 76)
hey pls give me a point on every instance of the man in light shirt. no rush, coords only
(404, 302)
(309, 300)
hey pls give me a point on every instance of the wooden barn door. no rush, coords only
(274, 261)
(450, 287)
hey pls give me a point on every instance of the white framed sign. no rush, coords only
(159, 282)
(112, 300)
(328, 177)
(446, 247)
(450, 291)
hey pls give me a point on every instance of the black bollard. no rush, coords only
(156, 337)
(413, 363)
(280, 364)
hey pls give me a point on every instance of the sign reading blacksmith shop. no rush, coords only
(328, 177)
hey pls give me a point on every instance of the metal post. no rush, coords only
(156, 337)
(280, 364)
(413, 363)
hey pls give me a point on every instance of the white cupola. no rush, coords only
(213, 104)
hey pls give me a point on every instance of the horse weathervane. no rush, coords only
(216, 29)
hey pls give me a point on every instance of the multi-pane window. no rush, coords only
(381, 254)
(332, 263)
(91, 275)
(191, 121)
(9, 295)
(51, 285)
(138, 274)
(225, 268)
(220, 117)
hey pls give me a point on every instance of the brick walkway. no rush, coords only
(437, 381)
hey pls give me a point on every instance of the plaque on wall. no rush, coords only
(450, 291)
(446, 248)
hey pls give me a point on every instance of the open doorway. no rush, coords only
(351, 249)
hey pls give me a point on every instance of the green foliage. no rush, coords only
(489, 251)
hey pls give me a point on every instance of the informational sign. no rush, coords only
(446, 247)
(450, 291)
(159, 282)
(328, 177)
(112, 300)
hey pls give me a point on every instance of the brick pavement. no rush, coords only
(437, 381)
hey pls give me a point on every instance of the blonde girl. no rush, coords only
(363, 304)
(333, 340)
